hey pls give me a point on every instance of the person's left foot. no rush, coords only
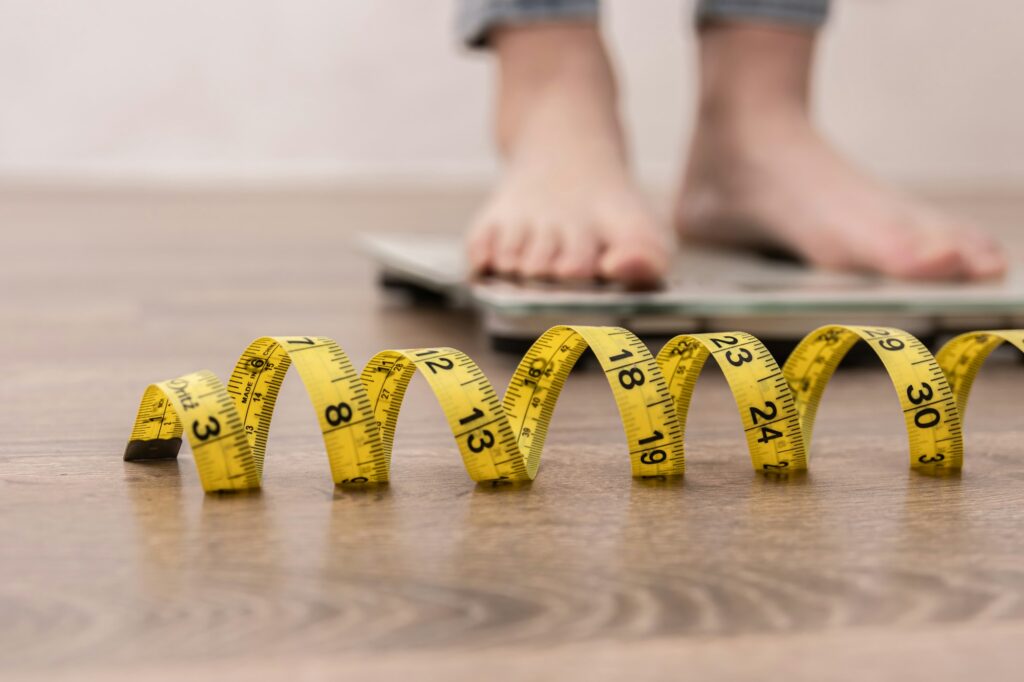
(760, 174)
(774, 182)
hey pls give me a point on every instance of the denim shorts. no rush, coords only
(476, 18)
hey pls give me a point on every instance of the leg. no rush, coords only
(760, 172)
(566, 207)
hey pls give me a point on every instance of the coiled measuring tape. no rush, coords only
(501, 438)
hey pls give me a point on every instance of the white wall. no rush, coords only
(924, 91)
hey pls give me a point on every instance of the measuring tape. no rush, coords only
(501, 438)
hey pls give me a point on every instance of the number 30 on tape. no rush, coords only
(501, 438)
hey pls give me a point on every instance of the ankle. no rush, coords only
(539, 57)
(556, 84)
(753, 74)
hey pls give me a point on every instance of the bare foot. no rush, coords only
(760, 174)
(566, 208)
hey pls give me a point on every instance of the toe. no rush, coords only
(940, 260)
(942, 249)
(479, 248)
(912, 253)
(509, 240)
(539, 251)
(983, 256)
(635, 258)
(577, 258)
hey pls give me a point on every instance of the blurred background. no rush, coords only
(354, 93)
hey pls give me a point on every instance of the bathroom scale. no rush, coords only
(707, 289)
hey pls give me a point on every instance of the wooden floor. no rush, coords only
(108, 570)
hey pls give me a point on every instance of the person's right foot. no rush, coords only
(566, 208)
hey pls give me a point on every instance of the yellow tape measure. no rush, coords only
(501, 438)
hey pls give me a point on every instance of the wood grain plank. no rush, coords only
(128, 569)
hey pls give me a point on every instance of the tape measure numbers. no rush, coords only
(502, 438)
(499, 439)
(929, 406)
(771, 419)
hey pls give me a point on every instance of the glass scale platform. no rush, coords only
(707, 290)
